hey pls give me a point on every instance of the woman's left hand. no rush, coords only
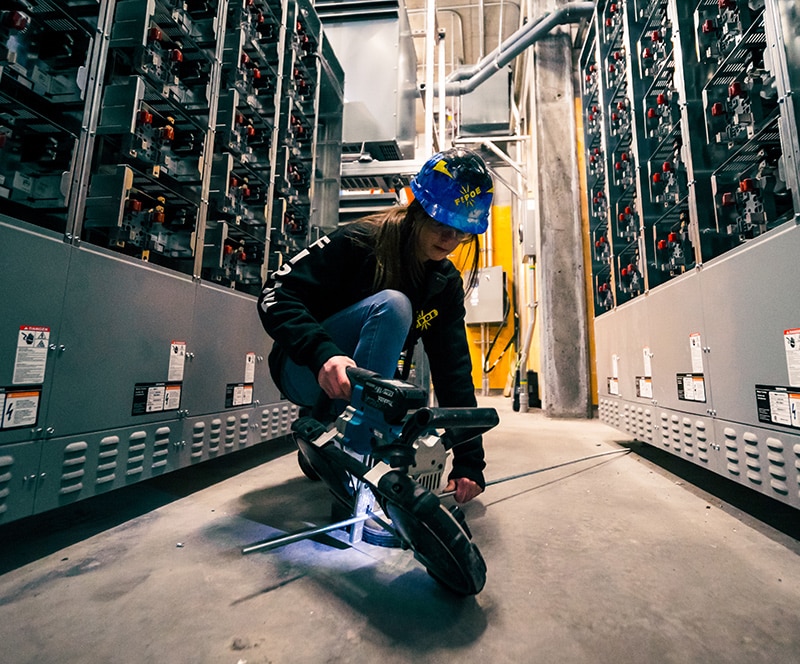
(465, 489)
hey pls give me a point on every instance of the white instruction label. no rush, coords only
(791, 341)
(696, 349)
(777, 404)
(155, 399)
(177, 361)
(31, 360)
(694, 388)
(781, 408)
(250, 368)
(242, 395)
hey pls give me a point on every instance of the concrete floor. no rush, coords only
(628, 558)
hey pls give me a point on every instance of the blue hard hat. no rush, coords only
(454, 187)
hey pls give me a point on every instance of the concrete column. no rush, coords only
(562, 313)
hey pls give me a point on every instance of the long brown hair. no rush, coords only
(393, 235)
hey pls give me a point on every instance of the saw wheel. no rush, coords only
(433, 533)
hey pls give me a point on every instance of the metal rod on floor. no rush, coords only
(275, 542)
(542, 470)
(283, 540)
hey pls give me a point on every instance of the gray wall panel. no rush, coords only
(120, 318)
(764, 460)
(380, 89)
(225, 329)
(675, 313)
(86, 464)
(33, 267)
(689, 436)
(212, 435)
(749, 298)
(623, 333)
(19, 478)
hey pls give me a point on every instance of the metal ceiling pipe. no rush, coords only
(467, 79)
(470, 70)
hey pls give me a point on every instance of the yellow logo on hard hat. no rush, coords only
(467, 196)
(441, 167)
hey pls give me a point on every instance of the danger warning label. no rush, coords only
(31, 359)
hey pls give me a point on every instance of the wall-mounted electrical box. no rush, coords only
(486, 302)
(529, 230)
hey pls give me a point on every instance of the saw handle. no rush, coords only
(461, 424)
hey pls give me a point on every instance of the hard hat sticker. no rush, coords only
(467, 195)
(441, 167)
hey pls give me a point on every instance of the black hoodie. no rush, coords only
(337, 271)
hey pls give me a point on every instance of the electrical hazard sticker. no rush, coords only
(696, 352)
(250, 368)
(647, 360)
(155, 398)
(177, 360)
(33, 342)
(19, 408)
(778, 405)
(791, 342)
(644, 387)
(691, 387)
(238, 394)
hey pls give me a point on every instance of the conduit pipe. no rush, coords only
(467, 79)
(430, 92)
(442, 100)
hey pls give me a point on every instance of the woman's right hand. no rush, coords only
(332, 377)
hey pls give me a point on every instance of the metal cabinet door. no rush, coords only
(33, 270)
(120, 318)
(226, 336)
(750, 298)
(675, 316)
(19, 479)
(87, 464)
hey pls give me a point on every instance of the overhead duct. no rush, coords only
(373, 43)
(466, 79)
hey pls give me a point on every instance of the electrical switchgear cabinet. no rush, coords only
(157, 160)
(691, 140)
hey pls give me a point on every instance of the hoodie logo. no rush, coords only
(424, 320)
(274, 282)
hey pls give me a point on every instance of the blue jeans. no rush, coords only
(372, 332)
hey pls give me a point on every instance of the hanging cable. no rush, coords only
(506, 310)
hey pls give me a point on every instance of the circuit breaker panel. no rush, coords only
(691, 146)
(157, 159)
